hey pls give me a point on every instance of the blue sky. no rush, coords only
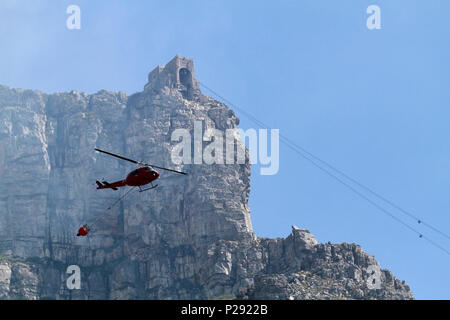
(373, 103)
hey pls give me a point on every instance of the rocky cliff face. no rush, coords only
(191, 238)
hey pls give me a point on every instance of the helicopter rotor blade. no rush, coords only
(117, 156)
(171, 170)
(138, 162)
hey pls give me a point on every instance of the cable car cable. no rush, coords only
(301, 151)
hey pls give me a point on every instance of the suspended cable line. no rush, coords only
(113, 205)
(325, 166)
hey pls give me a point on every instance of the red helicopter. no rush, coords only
(136, 178)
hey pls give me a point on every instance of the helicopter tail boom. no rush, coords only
(107, 185)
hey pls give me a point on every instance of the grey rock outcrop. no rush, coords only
(191, 238)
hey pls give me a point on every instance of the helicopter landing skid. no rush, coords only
(152, 187)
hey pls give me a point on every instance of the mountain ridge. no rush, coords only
(191, 238)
